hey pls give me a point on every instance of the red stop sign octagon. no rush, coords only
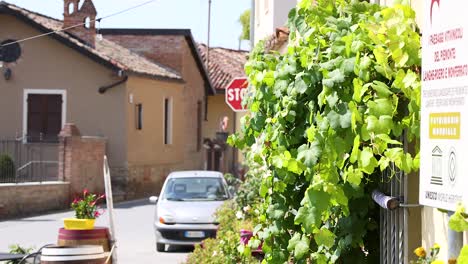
(235, 92)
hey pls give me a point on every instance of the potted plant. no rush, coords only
(86, 211)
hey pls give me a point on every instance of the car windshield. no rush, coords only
(195, 188)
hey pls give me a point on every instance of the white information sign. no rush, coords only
(444, 101)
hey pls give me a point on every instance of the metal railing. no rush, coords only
(21, 161)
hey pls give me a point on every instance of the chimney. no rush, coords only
(74, 15)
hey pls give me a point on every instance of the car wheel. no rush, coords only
(160, 247)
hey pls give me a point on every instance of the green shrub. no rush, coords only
(17, 249)
(223, 249)
(7, 168)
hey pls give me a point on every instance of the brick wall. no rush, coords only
(81, 161)
(166, 49)
(78, 16)
(32, 198)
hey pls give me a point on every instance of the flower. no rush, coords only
(239, 215)
(420, 252)
(437, 262)
(436, 246)
(86, 206)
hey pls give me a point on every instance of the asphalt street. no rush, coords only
(134, 233)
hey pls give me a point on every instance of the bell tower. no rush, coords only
(84, 16)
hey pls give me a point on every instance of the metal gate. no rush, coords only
(393, 223)
(28, 162)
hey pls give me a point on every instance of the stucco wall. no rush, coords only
(48, 64)
(32, 198)
(270, 14)
(146, 146)
(217, 110)
(149, 159)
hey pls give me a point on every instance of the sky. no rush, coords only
(192, 14)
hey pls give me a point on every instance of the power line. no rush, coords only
(80, 24)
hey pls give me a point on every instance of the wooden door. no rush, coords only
(44, 117)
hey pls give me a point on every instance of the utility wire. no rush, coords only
(77, 25)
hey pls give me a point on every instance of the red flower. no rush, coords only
(85, 192)
(97, 214)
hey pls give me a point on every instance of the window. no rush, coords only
(139, 116)
(199, 125)
(167, 121)
(43, 115)
(71, 8)
(87, 23)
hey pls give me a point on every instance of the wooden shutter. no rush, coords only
(44, 117)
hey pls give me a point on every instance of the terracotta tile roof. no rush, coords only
(106, 51)
(224, 65)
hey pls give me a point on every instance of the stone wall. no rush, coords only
(32, 198)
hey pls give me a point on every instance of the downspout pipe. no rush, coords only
(103, 89)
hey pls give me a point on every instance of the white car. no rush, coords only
(185, 208)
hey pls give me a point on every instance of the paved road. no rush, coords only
(133, 228)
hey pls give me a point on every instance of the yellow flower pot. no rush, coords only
(78, 224)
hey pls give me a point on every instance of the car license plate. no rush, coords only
(194, 234)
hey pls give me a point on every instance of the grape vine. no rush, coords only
(326, 119)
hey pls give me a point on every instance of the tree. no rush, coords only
(244, 19)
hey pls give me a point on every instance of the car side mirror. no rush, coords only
(153, 199)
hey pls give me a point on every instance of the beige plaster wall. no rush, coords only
(194, 92)
(48, 64)
(149, 159)
(146, 146)
(217, 110)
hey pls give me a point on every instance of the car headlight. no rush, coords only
(167, 219)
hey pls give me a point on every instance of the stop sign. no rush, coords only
(235, 93)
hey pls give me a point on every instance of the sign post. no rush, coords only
(235, 93)
(444, 111)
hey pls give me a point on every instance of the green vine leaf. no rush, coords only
(309, 155)
(457, 221)
(327, 117)
(463, 258)
(325, 237)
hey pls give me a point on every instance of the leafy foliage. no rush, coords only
(7, 168)
(17, 249)
(326, 119)
(86, 207)
(459, 223)
(458, 220)
(244, 19)
(222, 249)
